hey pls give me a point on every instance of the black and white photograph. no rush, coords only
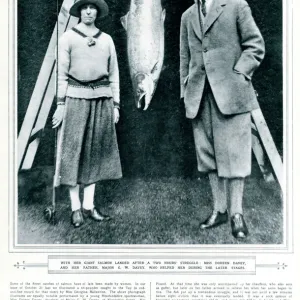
(151, 122)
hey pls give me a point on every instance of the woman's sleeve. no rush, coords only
(113, 71)
(63, 64)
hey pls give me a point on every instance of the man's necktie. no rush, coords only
(203, 7)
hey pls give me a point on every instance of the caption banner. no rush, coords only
(228, 265)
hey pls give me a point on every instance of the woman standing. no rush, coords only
(87, 109)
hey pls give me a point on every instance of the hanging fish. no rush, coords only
(144, 24)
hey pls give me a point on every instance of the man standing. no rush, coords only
(220, 48)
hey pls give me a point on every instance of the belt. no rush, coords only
(103, 81)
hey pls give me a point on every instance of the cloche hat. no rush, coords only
(100, 4)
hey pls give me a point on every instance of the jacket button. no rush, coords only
(205, 50)
(203, 67)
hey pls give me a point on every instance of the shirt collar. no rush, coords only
(208, 3)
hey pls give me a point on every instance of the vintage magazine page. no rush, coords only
(150, 149)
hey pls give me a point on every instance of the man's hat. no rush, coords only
(100, 4)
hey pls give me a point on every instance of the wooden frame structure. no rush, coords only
(43, 94)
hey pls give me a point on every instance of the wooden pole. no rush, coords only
(260, 156)
(268, 144)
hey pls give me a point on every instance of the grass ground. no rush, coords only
(149, 211)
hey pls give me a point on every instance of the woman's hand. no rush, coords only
(58, 116)
(116, 115)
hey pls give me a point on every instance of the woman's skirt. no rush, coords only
(87, 149)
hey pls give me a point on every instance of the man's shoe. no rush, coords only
(77, 218)
(95, 215)
(215, 219)
(238, 226)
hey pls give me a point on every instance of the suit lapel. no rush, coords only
(214, 12)
(196, 22)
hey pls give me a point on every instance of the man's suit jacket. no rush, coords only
(226, 50)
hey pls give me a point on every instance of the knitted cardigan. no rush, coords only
(84, 63)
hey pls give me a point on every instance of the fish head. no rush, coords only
(144, 87)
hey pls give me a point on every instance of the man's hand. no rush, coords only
(58, 116)
(116, 115)
(247, 78)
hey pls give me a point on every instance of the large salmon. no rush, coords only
(144, 24)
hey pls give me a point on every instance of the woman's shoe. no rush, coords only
(238, 226)
(95, 215)
(77, 218)
(215, 219)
